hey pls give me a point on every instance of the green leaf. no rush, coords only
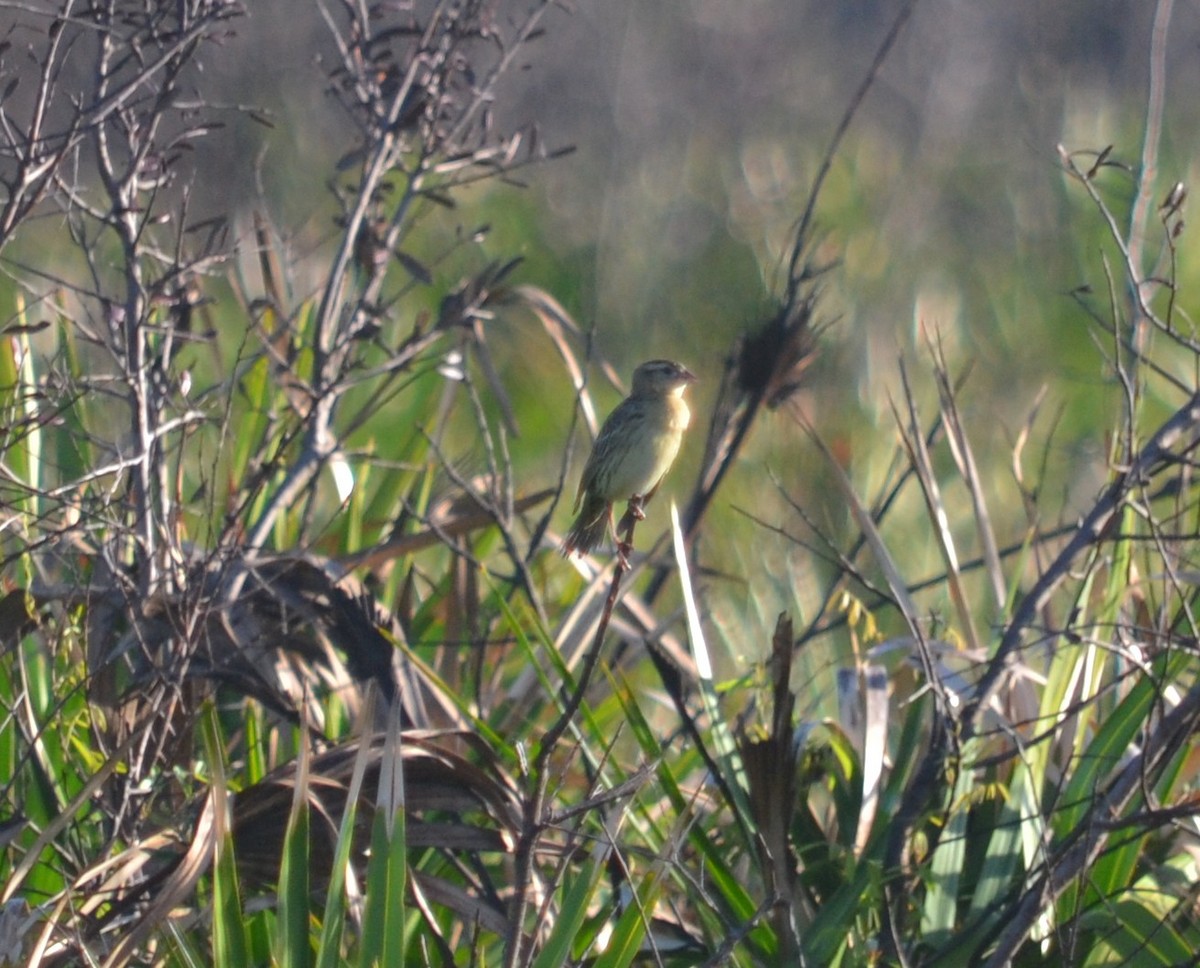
(230, 941)
(631, 927)
(572, 911)
(333, 921)
(292, 938)
(939, 912)
(1130, 934)
(383, 931)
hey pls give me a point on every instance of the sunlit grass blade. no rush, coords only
(874, 753)
(723, 738)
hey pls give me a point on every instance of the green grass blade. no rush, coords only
(229, 934)
(723, 739)
(1131, 933)
(572, 912)
(334, 919)
(631, 927)
(939, 912)
(293, 949)
(383, 941)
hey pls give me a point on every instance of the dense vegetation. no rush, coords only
(290, 669)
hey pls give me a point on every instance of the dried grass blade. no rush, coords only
(964, 458)
(471, 909)
(180, 885)
(558, 323)
(918, 453)
(456, 521)
(866, 523)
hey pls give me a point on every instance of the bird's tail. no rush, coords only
(588, 529)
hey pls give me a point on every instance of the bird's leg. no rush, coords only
(633, 514)
(612, 524)
(623, 547)
(633, 510)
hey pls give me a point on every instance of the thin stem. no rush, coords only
(535, 806)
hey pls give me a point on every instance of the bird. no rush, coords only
(632, 453)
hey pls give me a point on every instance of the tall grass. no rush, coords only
(292, 674)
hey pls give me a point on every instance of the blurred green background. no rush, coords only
(698, 128)
(958, 246)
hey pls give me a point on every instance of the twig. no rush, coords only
(1084, 845)
(534, 819)
(1183, 427)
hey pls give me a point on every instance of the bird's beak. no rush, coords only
(688, 375)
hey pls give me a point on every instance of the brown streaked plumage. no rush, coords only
(633, 452)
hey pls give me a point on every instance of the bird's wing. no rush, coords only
(605, 441)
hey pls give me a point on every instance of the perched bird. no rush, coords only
(633, 452)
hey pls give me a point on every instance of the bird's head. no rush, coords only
(658, 378)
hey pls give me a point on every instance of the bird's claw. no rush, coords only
(633, 513)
